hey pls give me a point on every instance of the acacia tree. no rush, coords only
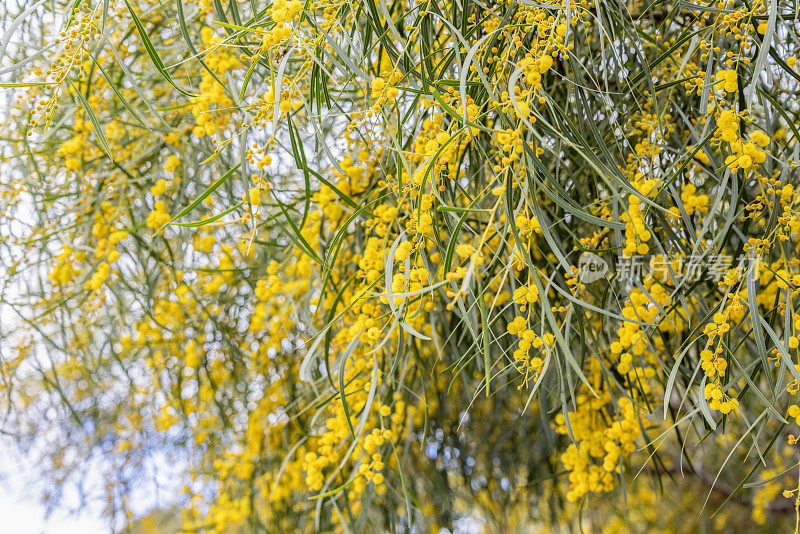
(366, 266)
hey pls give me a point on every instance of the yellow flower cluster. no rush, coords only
(600, 435)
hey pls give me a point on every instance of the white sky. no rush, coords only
(25, 516)
(21, 511)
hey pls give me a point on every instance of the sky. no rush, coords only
(26, 516)
(22, 513)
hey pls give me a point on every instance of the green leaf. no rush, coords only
(93, 118)
(151, 51)
(210, 189)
